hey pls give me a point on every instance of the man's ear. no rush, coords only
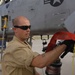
(14, 29)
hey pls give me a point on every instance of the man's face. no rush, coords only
(23, 29)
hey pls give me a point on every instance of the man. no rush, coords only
(19, 59)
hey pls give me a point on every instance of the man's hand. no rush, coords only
(68, 42)
(69, 48)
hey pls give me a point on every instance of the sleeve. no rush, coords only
(35, 54)
(24, 57)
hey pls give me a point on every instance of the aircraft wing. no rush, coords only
(70, 23)
(4, 9)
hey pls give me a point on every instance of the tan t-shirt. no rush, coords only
(17, 58)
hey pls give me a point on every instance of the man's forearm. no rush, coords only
(49, 57)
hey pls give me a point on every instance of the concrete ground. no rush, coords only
(67, 62)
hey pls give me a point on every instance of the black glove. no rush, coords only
(69, 48)
(68, 43)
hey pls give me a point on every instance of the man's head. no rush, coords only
(21, 27)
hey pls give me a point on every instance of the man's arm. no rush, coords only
(45, 59)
